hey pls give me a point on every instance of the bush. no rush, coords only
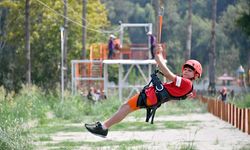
(13, 136)
(105, 108)
(77, 108)
(30, 104)
(72, 107)
(242, 101)
(17, 110)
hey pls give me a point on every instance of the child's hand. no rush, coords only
(192, 95)
(158, 49)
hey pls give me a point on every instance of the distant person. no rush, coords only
(111, 46)
(103, 95)
(152, 39)
(223, 94)
(232, 93)
(93, 94)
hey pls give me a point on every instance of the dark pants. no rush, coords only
(110, 53)
(152, 51)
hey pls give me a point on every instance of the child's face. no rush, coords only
(188, 73)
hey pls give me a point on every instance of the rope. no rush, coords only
(159, 27)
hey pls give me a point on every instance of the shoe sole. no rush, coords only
(103, 136)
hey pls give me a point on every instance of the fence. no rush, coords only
(238, 117)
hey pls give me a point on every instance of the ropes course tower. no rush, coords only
(131, 62)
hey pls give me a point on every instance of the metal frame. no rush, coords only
(122, 76)
(74, 79)
(124, 25)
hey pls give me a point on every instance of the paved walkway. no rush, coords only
(210, 133)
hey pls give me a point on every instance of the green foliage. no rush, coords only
(237, 39)
(110, 144)
(232, 43)
(54, 128)
(243, 20)
(113, 73)
(72, 107)
(105, 108)
(242, 101)
(182, 107)
(30, 104)
(44, 40)
(13, 136)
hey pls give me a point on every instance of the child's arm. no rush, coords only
(161, 63)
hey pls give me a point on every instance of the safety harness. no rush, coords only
(161, 93)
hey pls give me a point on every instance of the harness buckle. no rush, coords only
(159, 89)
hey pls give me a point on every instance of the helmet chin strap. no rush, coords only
(193, 78)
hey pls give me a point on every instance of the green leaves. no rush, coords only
(8, 4)
(46, 17)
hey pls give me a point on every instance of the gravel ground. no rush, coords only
(210, 133)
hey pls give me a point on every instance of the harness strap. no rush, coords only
(161, 94)
(151, 113)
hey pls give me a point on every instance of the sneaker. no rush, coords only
(97, 129)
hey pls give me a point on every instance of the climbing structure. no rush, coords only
(90, 73)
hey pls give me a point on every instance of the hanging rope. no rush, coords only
(160, 19)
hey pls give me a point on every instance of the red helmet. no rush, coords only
(195, 65)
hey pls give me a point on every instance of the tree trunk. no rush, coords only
(3, 18)
(189, 31)
(27, 41)
(248, 69)
(212, 57)
(84, 32)
(65, 13)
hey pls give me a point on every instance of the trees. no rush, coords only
(46, 17)
(45, 21)
(27, 41)
(84, 33)
(212, 48)
(243, 24)
(239, 41)
(189, 31)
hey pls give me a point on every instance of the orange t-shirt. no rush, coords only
(178, 88)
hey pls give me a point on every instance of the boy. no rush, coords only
(179, 87)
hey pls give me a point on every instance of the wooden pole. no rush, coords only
(235, 116)
(239, 118)
(229, 113)
(226, 111)
(232, 114)
(222, 110)
(247, 111)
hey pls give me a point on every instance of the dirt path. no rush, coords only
(210, 133)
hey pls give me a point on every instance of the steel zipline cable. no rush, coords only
(104, 31)
(75, 22)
